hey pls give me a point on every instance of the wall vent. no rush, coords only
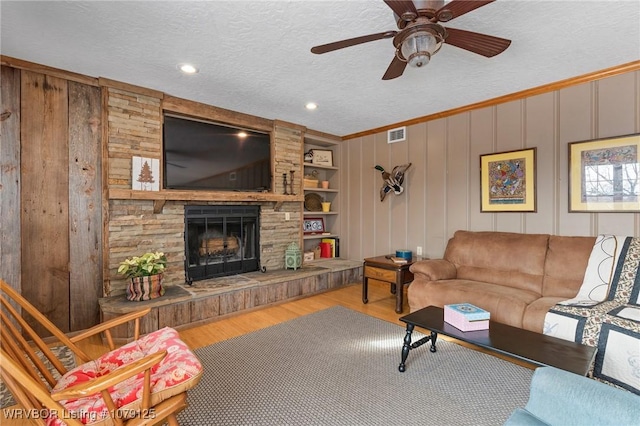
(397, 135)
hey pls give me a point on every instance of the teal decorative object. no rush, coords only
(404, 254)
(293, 257)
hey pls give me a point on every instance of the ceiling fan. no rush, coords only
(420, 35)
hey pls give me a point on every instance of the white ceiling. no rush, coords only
(254, 56)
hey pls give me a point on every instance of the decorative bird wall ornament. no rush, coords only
(392, 181)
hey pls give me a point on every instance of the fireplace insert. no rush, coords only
(221, 240)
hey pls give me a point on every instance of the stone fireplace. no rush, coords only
(140, 226)
(221, 240)
(146, 221)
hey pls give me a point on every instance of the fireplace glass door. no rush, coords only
(221, 240)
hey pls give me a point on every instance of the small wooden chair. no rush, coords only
(143, 382)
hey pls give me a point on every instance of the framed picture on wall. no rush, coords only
(145, 174)
(508, 181)
(604, 175)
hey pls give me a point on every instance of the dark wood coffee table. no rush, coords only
(535, 348)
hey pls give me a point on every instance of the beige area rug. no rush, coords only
(340, 367)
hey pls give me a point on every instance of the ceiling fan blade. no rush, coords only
(395, 70)
(404, 9)
(482, 44)
(330, 47)
(457, 8)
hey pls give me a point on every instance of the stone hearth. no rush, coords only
(207, 300)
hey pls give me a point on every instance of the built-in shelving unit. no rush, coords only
(324, 172)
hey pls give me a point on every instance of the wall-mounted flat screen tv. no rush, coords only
(208, 156)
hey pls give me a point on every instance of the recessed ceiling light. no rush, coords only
(311, 106)
(187, 68)
(242, 135)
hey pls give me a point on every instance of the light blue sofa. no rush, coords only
(558, 397)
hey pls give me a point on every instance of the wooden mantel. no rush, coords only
(177, 195)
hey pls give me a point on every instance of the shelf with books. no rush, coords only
(321, 160)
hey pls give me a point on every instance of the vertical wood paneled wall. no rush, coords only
(44, 166)
(85, 204)
(10, 254)
(51, 206)
(442, 188)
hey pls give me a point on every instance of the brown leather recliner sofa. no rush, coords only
(516, 277)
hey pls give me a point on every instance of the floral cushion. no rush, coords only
(178, 371)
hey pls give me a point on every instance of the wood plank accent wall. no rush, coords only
(45, 195)
(442, 188)
(85, 204)
(10, 253)
(51, 200)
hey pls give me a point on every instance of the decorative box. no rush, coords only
(308, 256)
(310, 183)
(466, 317)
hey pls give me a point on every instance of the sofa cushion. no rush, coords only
(534, 314)
(566, 263)
(504, 258)
(506, 304)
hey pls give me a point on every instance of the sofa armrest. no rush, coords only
(434, 269)
(558, 397)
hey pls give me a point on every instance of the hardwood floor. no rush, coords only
(381, 305)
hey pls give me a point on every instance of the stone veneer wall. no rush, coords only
(135, 226)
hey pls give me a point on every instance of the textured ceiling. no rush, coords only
(254, 56)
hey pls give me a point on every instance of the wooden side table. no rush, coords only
(382, 269)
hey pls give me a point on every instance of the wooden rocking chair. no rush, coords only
(141, 383)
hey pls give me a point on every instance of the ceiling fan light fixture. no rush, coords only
(419, 47)
(420, 44)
